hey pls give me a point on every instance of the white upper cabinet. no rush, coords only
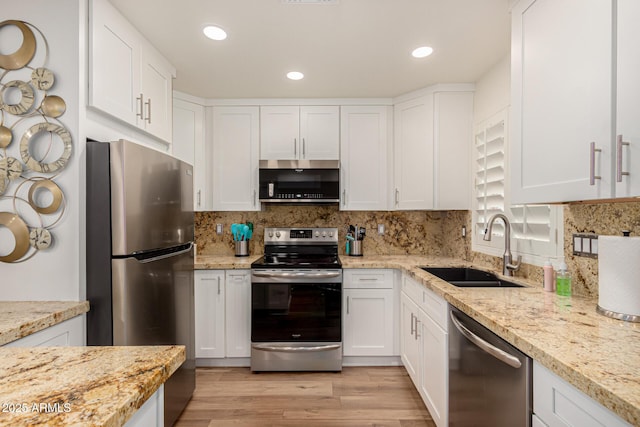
(235, 158)
(561, 127)
(433, 136)
(365, 142)
(627, 144)
(413, 149)
(128, 78)
(293, 132)
(189, 146)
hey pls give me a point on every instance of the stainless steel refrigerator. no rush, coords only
(140, 234)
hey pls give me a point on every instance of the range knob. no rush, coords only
(331, 234)
(317, 234)
(324, 234)
(278, 234)
(271, 234)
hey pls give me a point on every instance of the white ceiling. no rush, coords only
(352, 49)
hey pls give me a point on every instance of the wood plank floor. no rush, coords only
(367, 396)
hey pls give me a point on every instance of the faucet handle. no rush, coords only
(516, 266)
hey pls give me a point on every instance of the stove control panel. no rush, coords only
(300, 235)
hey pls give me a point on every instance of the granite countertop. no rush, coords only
(97, 386)
(21, 318)
(597, 355)
(224, 262)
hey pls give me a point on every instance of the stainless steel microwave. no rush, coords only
(299, 181)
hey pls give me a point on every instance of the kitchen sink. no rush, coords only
(464, 277)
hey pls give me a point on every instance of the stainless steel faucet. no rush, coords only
(507, 267)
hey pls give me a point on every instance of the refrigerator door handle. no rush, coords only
(169, 255)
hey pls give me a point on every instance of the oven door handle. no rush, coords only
(288, 349)
(297, 275)
(501, 355)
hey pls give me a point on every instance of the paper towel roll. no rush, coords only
(619, 274)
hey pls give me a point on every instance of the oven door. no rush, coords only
(296, 320)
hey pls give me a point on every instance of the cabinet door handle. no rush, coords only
(397, 196)
(199, 198)
(417, 334)
(619, 144)
(254, 197)
(140, 109)
(148, 104)
(295, 147)
(592, 163)
(412, 328)
(344, 197)
(303, 148)
(218, 285)
(347, 305)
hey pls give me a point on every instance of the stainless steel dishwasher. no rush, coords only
(489, 379)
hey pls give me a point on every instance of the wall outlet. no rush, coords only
(219, 229)
(380, 229)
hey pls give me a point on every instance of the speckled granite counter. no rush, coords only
(224, 262)
(21, 318)
(597, 355)
(96, 386)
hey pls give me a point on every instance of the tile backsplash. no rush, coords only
(423, 233)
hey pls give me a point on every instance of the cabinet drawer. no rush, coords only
(367, 279)
(432, 304)
(558, 404)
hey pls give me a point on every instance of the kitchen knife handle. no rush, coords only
(619, 144)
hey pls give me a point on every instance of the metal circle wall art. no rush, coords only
(32, 204)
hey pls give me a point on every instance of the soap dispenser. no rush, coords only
(563, 281)
(548, 276)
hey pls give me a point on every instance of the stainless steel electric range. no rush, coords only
(296, 301)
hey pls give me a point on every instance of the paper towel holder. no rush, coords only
(618, 316)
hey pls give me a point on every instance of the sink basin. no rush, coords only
(464, 277)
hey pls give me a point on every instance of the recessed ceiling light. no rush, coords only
(214, 33)
(422, 52)
(295, 75)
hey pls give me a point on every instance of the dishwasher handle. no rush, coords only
(501, 355)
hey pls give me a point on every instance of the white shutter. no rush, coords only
(534, 228)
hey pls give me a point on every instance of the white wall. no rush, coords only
(493, 91)
(55, 273)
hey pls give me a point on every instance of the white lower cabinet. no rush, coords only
(238, 313)
(151, 413)
(71, 332)
(209, 313)
(424, 346)
(369, 313)
(556, 403)
(223, 313)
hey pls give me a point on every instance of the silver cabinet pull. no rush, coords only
(619, 144)
(348, 305)
(295, 147)
(148, 104)
(417, 334)
(397, 196)
(199, 198)
(254, 197)
(412, 328)
(140, 109)
(501, 355)
(344, 197)
(303, 148)
(218, 285)
(592, 163)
